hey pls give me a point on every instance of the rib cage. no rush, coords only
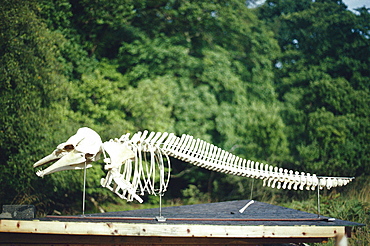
(211, 157)
(139, 174)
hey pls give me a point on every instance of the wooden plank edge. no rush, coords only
(51, 239)
(169, 230)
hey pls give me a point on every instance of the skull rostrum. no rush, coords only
(76, 153)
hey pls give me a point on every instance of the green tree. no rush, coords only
(220, 58)
(75, 50)
(323, 81)
(30, 94)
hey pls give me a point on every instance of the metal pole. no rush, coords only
(251, 196)
(160, 218)
(160, 205)
(84, 193)
(318, 200)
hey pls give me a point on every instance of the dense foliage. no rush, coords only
(286, 83)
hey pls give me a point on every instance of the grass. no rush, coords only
(351, 205)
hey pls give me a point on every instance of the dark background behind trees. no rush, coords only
(286, 83)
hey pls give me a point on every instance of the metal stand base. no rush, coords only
(160, 218)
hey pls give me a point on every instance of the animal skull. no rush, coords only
(76, 153)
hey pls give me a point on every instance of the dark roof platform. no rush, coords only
(233, 222)
(221, 213)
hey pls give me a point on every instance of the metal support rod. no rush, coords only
(251, 196)
(84, 193)
(318, 201)
(160, 205)
(160, 218)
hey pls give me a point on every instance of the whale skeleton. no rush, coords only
(142, 163)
